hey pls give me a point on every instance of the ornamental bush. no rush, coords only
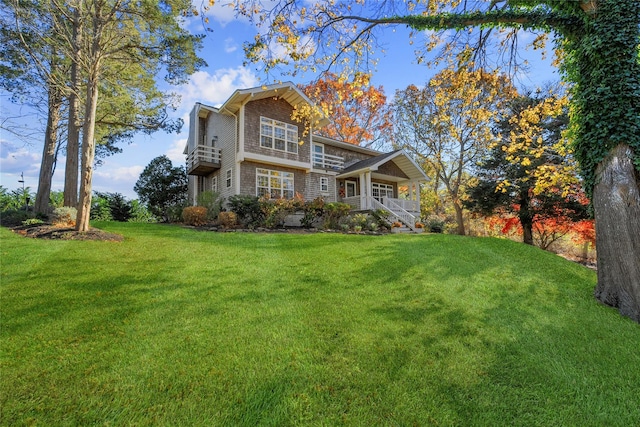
(64, 216)
(212, 201)
(334, 212)
(276, 210)
(195, 215)
(247, 209)
(227, 219)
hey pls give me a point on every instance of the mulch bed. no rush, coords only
(66, 233)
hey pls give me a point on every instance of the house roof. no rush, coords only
(341, 144)
(400, 157)
(287, 91)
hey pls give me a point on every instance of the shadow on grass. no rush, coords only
(503, 333)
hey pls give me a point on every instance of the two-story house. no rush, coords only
(250, 145)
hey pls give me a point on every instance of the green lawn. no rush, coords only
(180, 327)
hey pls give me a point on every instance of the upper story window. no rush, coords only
(318, 155)
(278, 135)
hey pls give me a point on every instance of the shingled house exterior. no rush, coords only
(251, 146)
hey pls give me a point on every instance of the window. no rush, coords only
(318, 155)
(381, 191)
(276, 184)
(324, 185)
(214, 183)
(228, 178)
(278, 135)
(351, 188)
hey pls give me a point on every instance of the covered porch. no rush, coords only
(390, 181)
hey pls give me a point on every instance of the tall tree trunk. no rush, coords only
(459, 218)
(525, 217)
(49, 151)
(73, 130)
(527, 230)
(616, 202)
(88, 152)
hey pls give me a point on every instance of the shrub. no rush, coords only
(100, 210)
(435, 224)
(212, 201)
(140, 213)
(174, 213)
(32, 222)
(333, 213)
(359, 220)
(276, 210)
(195, 215)
(227, 219)
(313, 210)
(13, 217)
(64, 216)
(247, 209)
(120, 207)
(381, 218)
(419, 225)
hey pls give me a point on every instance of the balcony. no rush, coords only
(203, 160)
(327, 161)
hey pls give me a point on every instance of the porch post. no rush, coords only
(367, 176)
(363, 192)
(418, 198)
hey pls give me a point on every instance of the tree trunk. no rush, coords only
(459, 218)
(525, 217)
(527, 230)
(88, 153)
(616, 202)
(49, 151)
(73, 130)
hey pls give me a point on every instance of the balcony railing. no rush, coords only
(327, 161)
(203, 160)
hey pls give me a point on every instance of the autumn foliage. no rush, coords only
(358, 111)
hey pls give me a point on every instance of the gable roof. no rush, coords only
(287, 91)
(399, 157)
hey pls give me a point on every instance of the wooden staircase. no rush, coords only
(396, 213)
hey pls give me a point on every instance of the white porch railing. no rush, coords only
(396, 211)
(203, 153)
(328, 161)
(407, 205)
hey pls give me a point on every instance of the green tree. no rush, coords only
(109, 49)
(110, 207)
(527, 172)
(600, 42)
(162, 187)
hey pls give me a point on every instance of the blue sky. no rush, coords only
(212, 85)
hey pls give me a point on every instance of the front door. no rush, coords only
(381, 192)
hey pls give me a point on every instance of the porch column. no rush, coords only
(363, 192)
(418, 198)
(367, 176)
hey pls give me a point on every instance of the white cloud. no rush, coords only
(230, 45)
(17, 159)
(214, 89)
(119, 174)
(175, 151)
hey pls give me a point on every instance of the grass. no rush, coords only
(180, 327)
